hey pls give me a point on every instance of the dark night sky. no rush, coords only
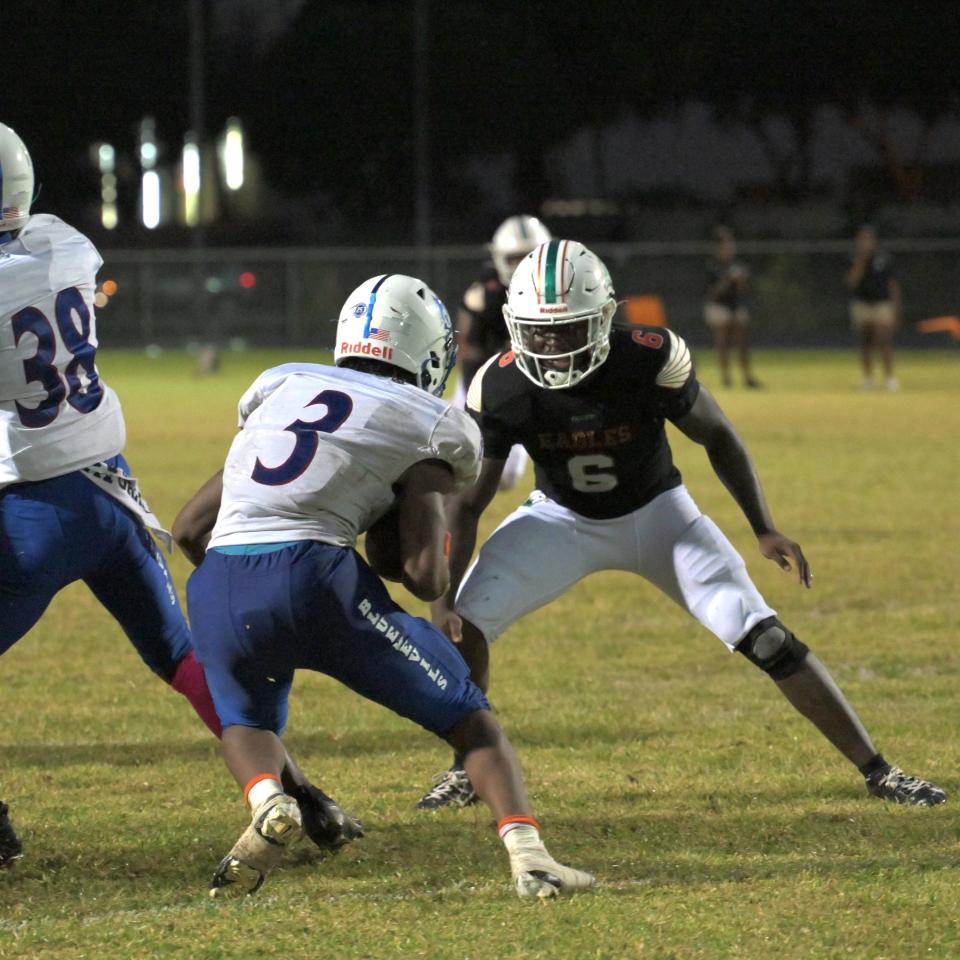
(534, 92)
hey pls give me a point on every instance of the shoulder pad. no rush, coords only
(678, 366)
(456, 440)
(475, 299)
(263, 386)
(73, 258)
(475, 393)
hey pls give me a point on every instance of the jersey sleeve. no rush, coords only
(497, 436)
(253, 397)
(266, 384)
(456, 440)
(73, 259)
(676, 382)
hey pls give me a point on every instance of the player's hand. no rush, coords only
(447, 621)
(781, 550)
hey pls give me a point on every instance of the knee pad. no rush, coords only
(774, 649)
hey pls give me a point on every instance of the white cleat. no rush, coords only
(537, 874)
(276, 824)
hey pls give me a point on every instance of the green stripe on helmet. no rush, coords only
(550, 273)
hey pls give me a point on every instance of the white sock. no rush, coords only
(519, 837)
(262, 791)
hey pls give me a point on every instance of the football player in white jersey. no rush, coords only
(322, 454)
(69, 507)
(589, 403)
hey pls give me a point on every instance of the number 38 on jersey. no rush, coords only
(73, 378)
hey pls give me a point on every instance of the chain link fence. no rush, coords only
(291, 297)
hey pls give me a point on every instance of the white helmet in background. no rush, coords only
(398, 320)
(559, 310)
(513, 240)
(16, 180)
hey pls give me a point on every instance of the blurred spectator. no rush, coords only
(875, 304)
(725, 310)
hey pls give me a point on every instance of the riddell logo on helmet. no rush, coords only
(367, 349)
(558, 308)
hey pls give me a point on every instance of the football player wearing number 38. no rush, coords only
(589, 401)
(69, 508)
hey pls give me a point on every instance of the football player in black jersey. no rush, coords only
(481, 331)
(589, 402)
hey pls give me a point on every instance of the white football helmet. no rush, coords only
(559, 309)
(513, 239)
(398, 320)
(16, 180)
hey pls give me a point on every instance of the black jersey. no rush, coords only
(484, 302)
(874, 285)
(732, 296)
(599, 448)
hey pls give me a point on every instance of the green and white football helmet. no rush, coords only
(559, 310)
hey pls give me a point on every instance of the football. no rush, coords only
(382, 546)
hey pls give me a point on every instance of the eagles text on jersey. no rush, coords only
(600, 448)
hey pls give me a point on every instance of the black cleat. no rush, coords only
(452, 788)
(893, 784)
(329, 827)
(11, 847)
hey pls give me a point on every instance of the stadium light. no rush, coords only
(232, 154)
(148, 155)
(106, 160)
(150, 199)
(149, 178)
(148, 143)
(191, 181)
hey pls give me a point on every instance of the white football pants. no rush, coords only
(542, 549)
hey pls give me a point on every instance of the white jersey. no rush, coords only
(56, 415)
(320, 448)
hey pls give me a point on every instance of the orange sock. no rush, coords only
(262, 787)
(509, 823)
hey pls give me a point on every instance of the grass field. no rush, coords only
(719, 824)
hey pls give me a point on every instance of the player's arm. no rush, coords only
(422, 528)
(857, 269)
(466, 349)
(855, 274)
(896, 295)
(706, 424)
(191, 528)
(463, 512)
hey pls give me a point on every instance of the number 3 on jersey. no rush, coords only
(42, 368)
(339, 407)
